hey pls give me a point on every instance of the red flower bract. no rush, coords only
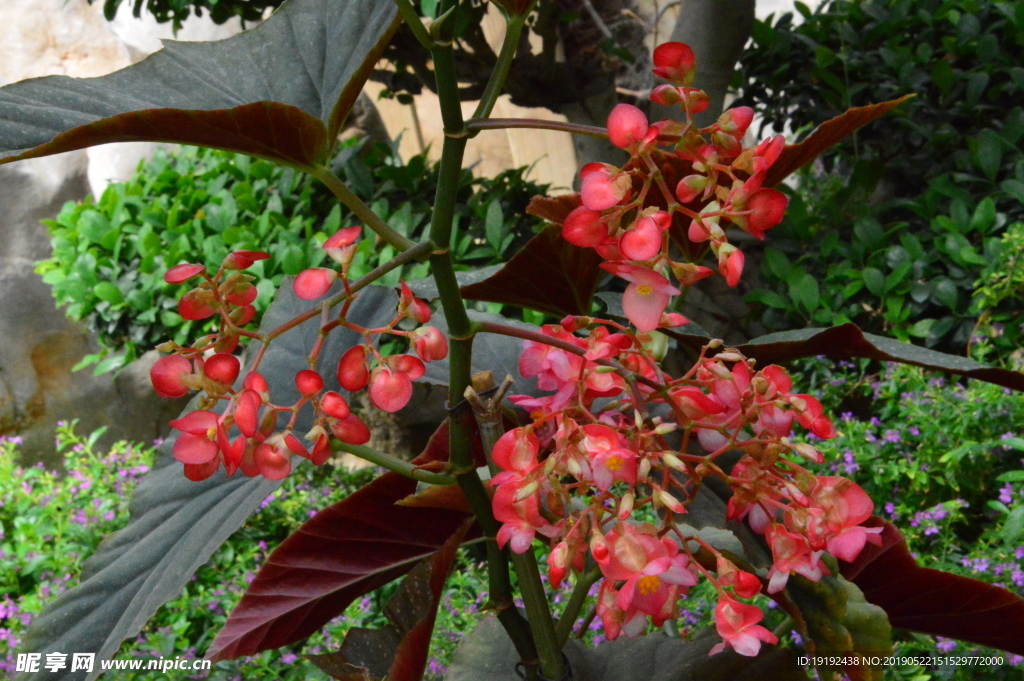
(166, 376)
(313, 283)
(181, 273)
(222, 368)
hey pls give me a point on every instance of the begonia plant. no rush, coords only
(617, 472)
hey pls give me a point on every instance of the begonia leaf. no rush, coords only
(935, 602)
(840, 623)
(487, 654)
(280, 90)
(826, 136)
(848, 341)
(549, 274)
(398, 651)
(177, 524)
(346, 550)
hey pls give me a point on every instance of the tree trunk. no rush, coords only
(717, 31)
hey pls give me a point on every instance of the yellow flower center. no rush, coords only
(536, 415)
(647, 585)
(613, 463)
(644, 290)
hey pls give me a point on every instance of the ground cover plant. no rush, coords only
(638, 485)
(895, 225)
(110, 254)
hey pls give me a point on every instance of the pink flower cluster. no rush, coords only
(204, 443)
(594, 457)
(631, 227)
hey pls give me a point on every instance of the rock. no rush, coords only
(38, 344)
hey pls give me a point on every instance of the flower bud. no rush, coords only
(673, 461)
(526, 491)
(626, 505)
(643, 470)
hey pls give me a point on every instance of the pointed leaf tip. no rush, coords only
(286, 103)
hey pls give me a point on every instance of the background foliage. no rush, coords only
(196, 205)
(893, 228)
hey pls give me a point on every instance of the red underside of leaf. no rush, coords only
(411, 656)
(351, 548)
(826, 136)
(279, 132)
(935, 602)
(549, 274)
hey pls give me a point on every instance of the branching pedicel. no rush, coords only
(617, 436)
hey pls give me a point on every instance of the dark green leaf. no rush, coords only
(280, 90)
(177, 524)
(848, 341)
(874, 280)
(487, 654)
(990, 153)
(1013, 525)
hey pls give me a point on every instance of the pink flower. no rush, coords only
(609, 459)
(603, 186)
(412, 307)
(201, 431)
(341, 247)
(516, 451)
(646, 296)
(521, 520)
(628, 128)
(845, 507)
(643, 240)
(675, 62)
(429, 343)
(737, 624)
(313, 283)
(791, 552)
(654, 570)
(583, 227)
(168, 374)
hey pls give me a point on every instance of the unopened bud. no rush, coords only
(808, 452)
(673, 461)
(549, 465)
(669, 501)
(601, 369)
(729, 356)
(527, 491)
(626, 506)
(715, 343)
(643, 470)
(665, 428)
(574, 467)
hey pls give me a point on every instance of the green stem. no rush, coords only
(415, 24)
(576, 601)
(496, 83)
(461, 331)
(476, 125)
(399, 466)
(362, 211)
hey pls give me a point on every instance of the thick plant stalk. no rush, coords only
(461, 331)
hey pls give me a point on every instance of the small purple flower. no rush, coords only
(1006, 493)
(944, 644)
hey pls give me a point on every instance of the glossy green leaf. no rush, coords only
(280, 90)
